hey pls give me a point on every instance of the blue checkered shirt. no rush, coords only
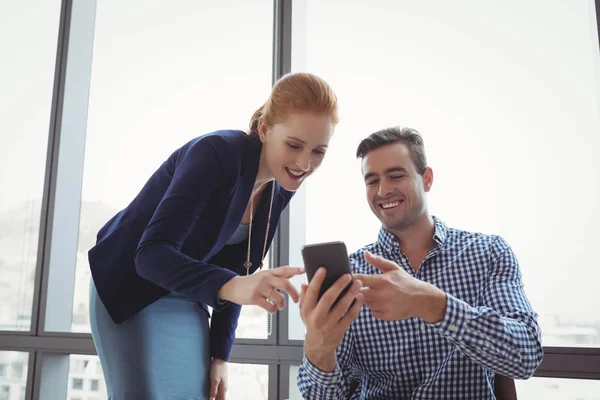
(489, 327)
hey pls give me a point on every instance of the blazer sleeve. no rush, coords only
(222, 331)
(158, 257)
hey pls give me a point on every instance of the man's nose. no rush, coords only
(384, 188)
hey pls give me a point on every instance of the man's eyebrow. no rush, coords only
(396, 169)
(370, 175)
(387, 171)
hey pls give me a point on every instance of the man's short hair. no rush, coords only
(410, 137)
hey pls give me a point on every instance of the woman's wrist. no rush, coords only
(226, 291)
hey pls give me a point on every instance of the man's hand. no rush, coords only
(326, 326)
(396, 295)
(218, 379)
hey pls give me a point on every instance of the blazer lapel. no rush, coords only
(261, 218)
(243, 189)
(239, 202)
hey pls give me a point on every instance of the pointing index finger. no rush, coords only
(369, 280)
(287, 272)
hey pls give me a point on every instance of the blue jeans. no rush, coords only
(162, 352)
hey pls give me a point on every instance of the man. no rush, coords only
(444, 310)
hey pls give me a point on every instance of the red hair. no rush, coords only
(298, 92)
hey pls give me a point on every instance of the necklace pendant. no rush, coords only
(248, 265)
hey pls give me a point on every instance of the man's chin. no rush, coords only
(395, 224)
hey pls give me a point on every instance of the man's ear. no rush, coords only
(427, 179)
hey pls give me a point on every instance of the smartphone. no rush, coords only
(333, 256)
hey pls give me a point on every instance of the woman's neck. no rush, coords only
(263, 176)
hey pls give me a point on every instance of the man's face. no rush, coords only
(395, 190)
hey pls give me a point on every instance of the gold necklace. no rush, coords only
(248, 264)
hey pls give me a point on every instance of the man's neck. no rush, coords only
(416, 238)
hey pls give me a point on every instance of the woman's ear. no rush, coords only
(263, 129)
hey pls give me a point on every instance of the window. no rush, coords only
(17, 370)
(77, 384)
(78, 366)
(248, 381)
(27, 75)
(90, 381)
(162, 75)
(175, 82)
(4, 392)
(507, 105)
(556, 388)
(294, 393)
(11, 382)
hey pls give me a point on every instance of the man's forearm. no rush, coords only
(510, 346)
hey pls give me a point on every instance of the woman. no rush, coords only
(193, 237)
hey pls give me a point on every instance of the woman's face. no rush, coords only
(293, 149)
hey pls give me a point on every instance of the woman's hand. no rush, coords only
(261, 288)
(218, 379)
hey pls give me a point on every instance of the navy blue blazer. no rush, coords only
(172, 236)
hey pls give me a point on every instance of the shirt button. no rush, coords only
(427, 369)
(453, 328)
(423, 327)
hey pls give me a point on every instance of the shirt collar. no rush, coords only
(389, 241)
(441, 231)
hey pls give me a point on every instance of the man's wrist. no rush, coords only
(433, 306)
(323, 359)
